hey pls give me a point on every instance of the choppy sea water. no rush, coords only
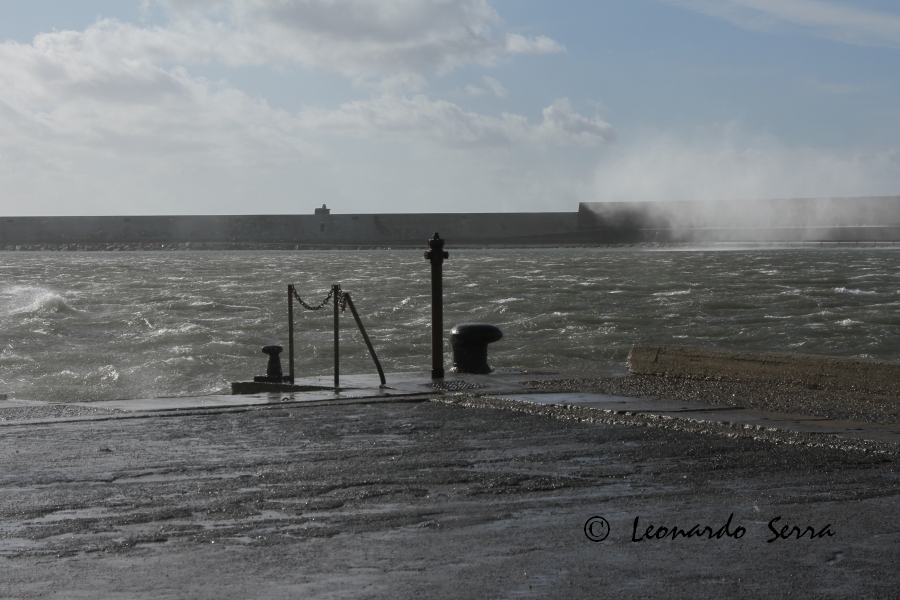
(99, 326)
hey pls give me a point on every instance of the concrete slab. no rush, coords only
(421, 382)
(250, 388)
(10, 402)
(618, 403)
(365, 386)
(398, 500)
(716, 414)
(232, 401)
(804, 424)
(869, 375)
(418, 386)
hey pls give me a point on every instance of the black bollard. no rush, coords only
(274, 373)
(469, 342)
(436, 256)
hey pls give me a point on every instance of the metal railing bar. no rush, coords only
(362, 330)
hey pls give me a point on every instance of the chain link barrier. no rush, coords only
(307, 306)
(342, 299)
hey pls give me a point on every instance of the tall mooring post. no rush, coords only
(336, 292)
(436, 256)
(291, 332)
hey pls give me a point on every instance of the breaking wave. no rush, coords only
(31, 300)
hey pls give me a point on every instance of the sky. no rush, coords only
(131, 107)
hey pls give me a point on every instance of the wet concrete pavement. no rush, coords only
(721, 414)
(468, 497)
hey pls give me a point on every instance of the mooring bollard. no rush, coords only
(274, 373)
(436, 256)
(469, 342)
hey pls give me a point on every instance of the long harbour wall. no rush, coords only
(870, 219)
(291, 230)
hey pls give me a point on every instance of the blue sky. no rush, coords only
(277, 106)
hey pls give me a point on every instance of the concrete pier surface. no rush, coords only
(478, 487)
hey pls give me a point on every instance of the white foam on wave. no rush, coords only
(181, 329)
(19, 300)
(847, 322)
(843, 290)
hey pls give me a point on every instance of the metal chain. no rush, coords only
(342, 299)
(307, 306)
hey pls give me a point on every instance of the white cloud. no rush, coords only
(119, 88)
(834, 89)
(106, 88)
(474, 90)
(397, 41)
(358, 38)
(723, 163)
(564, 126)
(490, 84)
(447, 124)
(110, 120)
(519, 44)
(69, 90)
(843, 22)
(496, 87)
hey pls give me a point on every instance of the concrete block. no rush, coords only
(261, 387)
(867, 375)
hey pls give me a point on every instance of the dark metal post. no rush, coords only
(291, 332)
(336, 291)
(436, 256)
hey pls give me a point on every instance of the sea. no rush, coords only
(88, 326)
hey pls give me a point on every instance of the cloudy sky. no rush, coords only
(277, 106)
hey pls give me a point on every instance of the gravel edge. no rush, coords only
(771, 397)
(730, 430)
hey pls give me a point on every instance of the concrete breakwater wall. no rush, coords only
(288, 231)
(865, 375)
(833, 220)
